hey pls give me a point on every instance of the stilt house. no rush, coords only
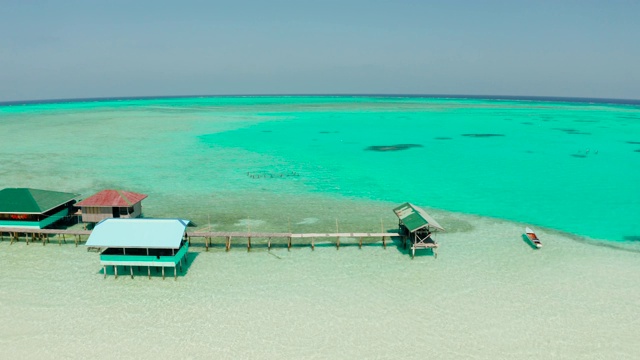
(418, 226)
(33, 208)
(111, 204)
(148, 243)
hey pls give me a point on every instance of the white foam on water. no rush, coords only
(245, 223)
(308, 221)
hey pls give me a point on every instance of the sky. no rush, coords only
(113, 48)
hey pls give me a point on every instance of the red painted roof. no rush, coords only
(112, 198)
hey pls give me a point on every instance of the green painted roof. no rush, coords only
(31, 201)
(415, 218)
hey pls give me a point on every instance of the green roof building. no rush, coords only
(418, 226)
(33, 208)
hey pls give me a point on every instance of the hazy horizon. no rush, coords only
(78, 49)
(434, 96)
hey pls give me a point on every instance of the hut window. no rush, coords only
(19, 217)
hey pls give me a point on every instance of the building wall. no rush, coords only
(96, 214)
(137, 211)
(36, 224)
(18, 223)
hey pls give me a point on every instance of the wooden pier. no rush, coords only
(228, 236)
(300, 239)
(13, 233)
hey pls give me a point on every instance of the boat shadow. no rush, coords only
(526, 240)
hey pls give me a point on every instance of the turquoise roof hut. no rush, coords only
(418, 226)
(141, 242)
(33, 208)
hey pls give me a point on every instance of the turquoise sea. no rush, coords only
(569, 166)
(483, 168)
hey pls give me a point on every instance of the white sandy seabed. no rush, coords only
(488, 295)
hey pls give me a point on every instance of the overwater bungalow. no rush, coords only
(111, 204)
(418, 226)
(33, 208)
(140, 242)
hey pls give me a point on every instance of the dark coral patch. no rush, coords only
(572, 131)
(632, 237)
(633, 142)
(482, 135)
(578, 155)
(527, 123)
(397, 147)
(636, 150)
(443, 138)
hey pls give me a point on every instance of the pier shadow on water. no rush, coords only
(420, 253)
(156, 271)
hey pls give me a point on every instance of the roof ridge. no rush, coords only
(124, 197)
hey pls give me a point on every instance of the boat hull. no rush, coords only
(533, 238)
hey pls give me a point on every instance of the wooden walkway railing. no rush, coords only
(289, 237)
(43, 235)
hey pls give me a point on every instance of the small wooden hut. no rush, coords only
(418, 226)
(140, 242)
(33, 208)
(111, 204)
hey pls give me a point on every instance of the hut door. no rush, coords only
(116, 212)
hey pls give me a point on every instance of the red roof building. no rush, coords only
(111, 204)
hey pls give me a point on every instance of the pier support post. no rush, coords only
(338, 238)
(269, 244)
(115, 270)
(313, 245)
(360, 243)
(289, 244)
(149, 271)
(175, 275)
(384, 242)
(228, 243)
(249, 243)
(104, 269)
(131, 270)
(163, 273)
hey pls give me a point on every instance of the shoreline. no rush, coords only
(454, 223)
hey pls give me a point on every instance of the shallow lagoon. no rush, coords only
(274, 164)
(567, 166)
